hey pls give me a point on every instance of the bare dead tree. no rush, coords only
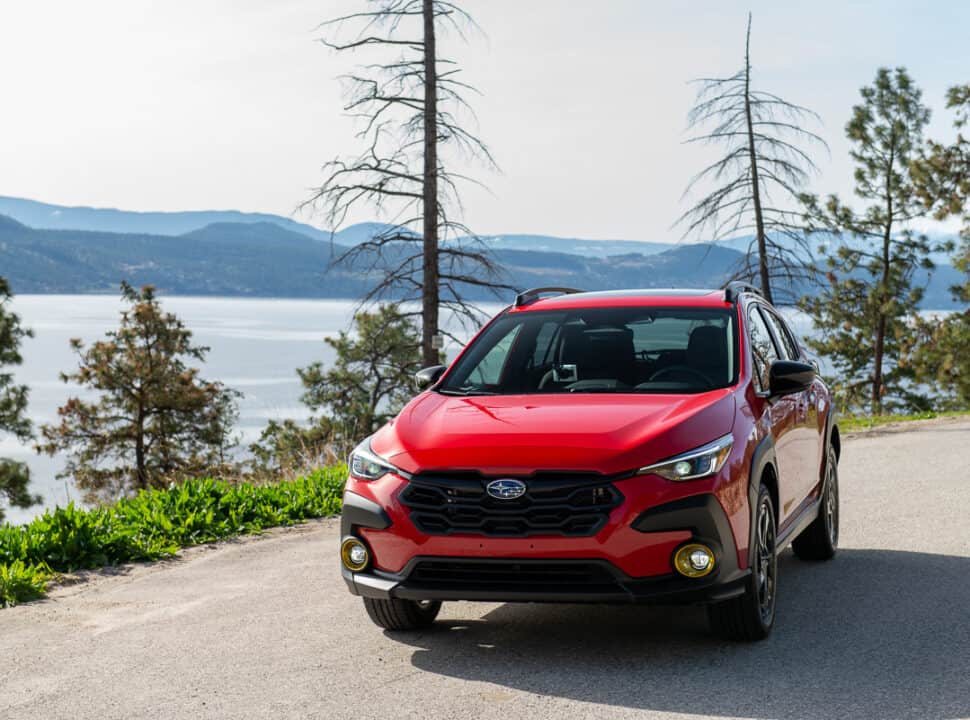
(757, 181)
(414, 126)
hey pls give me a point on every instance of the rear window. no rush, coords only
(619, 350)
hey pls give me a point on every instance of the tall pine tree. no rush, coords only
(864, 313)
(941, 354)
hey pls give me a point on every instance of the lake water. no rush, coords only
(256, 346)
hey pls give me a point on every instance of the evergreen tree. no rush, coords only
(373, 375)
(864, 314)
(941, 353)
(14, 476)
(155, 421)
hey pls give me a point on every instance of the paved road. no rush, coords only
(264, 628)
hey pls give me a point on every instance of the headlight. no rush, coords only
(364, 464)
(705, 460)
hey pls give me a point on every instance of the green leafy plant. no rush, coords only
(154, 524)
(20, 582)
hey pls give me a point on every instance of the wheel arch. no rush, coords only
(763, 471)
(833, 438)
(835, 441)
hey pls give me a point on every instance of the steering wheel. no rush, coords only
(683, 370)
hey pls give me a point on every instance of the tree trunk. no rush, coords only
(880, 343)
(755, 183)
(878, 349)
(430, 289)
(141, 474)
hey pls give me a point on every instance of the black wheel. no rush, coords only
(395, 614)
(750, 616)
(820, 539)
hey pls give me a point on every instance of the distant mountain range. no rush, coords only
(255, 255)
(266, 260)
(44, 216)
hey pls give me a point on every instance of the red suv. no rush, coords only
(608, 447)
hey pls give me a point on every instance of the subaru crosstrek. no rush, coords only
(605, 447)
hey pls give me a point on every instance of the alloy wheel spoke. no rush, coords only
(765, 568)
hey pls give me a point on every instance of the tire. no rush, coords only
(820, 540)
(393, 614)
(750, 617)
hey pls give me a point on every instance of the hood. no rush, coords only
(519, 434)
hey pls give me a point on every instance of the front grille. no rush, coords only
(568, 505)
(459, 574)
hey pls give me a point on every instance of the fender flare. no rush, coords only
(762, 458)
(832, 426)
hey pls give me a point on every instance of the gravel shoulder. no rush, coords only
(263, 627)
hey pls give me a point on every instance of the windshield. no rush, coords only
(618, 350)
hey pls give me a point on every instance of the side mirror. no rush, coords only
(427, 377)
(786, 377)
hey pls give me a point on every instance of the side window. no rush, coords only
(763, 350)
(784, 335)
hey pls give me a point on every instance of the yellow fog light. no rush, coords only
(354, 554)
(694, 560)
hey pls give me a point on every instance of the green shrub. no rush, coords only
(154, 524)
(20, 582)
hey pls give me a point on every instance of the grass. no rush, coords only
(153, 525)
(852, 423)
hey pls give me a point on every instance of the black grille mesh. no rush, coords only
(571, 506)
(457, 574)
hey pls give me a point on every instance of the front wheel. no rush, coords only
(820, 539)
(751, 616)
(394, 614)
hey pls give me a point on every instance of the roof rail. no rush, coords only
(736, 287)
(530, 296)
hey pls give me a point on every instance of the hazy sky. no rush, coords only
(231, 104)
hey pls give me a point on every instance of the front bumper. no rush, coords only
(611, 585)
(536, 569)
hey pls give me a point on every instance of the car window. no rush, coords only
(489, 370)
(763, 350)
(607, 349)
(783, 334)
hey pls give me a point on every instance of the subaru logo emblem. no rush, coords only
(506, 489)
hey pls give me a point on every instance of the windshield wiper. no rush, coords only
(599, 390)
(462, 392)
